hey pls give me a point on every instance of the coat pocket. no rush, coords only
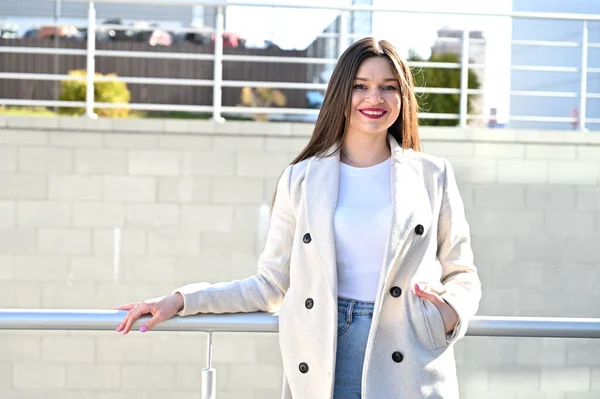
(434, 323)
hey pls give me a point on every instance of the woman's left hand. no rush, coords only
(448, 314)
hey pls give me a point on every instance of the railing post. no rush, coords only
(209, 375)
(218, 66)
(343, 33)
(464, 79)
(583, 91)
(91, 62)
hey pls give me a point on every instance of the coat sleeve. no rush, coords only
(459, 274)
(263, 291)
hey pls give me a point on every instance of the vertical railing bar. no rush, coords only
(91, 65)
(55, 59)
(209, 351)
(218, 66)
(464, 79)
(209, 375)
(583, 94)
(343, 33)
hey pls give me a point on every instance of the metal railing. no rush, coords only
(218, 83)
(107, 320)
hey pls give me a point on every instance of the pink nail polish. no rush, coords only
(143, 329)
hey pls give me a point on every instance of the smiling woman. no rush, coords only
(376, 104)
(369, 95)
(367, 257)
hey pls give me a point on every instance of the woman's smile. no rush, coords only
(373, 113)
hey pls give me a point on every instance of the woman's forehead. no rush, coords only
(375, 68)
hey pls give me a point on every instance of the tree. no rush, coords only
(444, 78)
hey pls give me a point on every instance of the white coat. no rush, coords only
(408, 354)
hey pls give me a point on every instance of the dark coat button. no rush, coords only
(396, 292)
(397, 357)
(306, 238)
(303, 368)
(419, 229)
(309, 303)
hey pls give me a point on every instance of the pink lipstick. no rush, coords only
(373, 113)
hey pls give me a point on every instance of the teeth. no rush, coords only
(374, 113)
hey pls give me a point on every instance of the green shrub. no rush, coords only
(104, 92)
(262, 97)
(444, 78)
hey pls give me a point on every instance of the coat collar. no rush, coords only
(322, 182)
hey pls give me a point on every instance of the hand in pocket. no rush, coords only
(448, 314)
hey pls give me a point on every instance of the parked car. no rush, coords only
(138, 31)
(62, 32)
(31, 33)
(9, 31)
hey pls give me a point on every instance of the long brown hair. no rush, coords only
(332, 124)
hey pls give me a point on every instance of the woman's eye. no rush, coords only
(390, 88)
(360, 87)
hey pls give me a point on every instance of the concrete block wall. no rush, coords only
(94, 214)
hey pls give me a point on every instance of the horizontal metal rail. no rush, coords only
(41, 103)
(539, 68)
(538, 93)
(206, 82)
(255, 110)
(540, 43)
(41, 50)
(134, 106)
(38, 76)
(531, 118)
(108, 320)
(182, 29)
(284, 60)
(336, 7)
(211, 57)
(154, 55)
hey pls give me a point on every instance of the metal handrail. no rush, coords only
(107, 320)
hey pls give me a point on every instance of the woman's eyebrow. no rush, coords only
(385, 80)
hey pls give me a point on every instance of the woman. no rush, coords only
(368, 255)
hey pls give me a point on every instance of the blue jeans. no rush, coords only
(354, 322)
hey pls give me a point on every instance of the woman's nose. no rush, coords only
(374, 96)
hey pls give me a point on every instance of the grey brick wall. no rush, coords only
(183, 201)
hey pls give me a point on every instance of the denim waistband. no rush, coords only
(357, 308)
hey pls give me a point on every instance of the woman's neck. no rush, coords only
(363, 152)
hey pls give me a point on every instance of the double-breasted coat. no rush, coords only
(408, 354)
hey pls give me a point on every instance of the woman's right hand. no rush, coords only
(161, 309)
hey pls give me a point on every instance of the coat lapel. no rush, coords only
(322, 183)
(404, 184)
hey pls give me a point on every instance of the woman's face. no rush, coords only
(376, 99)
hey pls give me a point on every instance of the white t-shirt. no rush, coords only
(362, 223)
